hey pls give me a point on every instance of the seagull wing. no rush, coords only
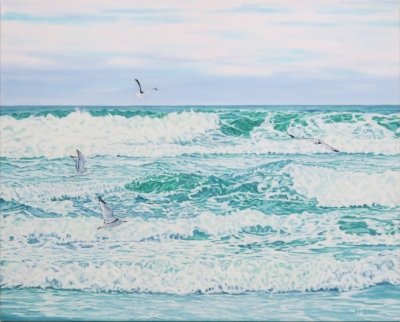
(106, 211)
(149, 89)
(140, 87)
(328, 147)
(76, 159)
(80, 163)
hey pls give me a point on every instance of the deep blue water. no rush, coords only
(228, 218)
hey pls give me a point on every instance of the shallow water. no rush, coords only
(220, 204)
(376, 304)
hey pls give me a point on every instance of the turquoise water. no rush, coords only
(227, 216)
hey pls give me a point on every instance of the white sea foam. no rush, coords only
(55, 137)
(83, 228)
(58, 190)
(233, 276)
(334, 188)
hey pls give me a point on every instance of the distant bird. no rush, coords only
(315, 141)
(141, 93)
(79, 164)
(109, 219)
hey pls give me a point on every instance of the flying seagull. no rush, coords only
(141, 93)
(315, 141)
(109, 220)
(79, 163)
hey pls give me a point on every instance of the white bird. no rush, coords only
(141, 93)
(108, 215)
(79, 164)
(315, 141)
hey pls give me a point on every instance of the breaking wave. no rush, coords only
(143, 133)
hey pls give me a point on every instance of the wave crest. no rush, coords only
(55, 137)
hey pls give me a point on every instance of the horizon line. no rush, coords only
(185, 105)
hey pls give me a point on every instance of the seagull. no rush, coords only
(315, 141)
(109, 220)
(141, 93)
(79, 163)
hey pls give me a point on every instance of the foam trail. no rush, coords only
(236, 276)
(244, 223)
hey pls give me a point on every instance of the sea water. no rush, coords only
(228, 218)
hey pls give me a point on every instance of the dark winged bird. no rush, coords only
(141, 93)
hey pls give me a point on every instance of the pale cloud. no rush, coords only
(27, 61)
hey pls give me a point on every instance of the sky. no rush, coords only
(225, 52)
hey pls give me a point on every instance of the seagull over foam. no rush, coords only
(79, 164)
(315, 141)
(108, 215)
(141, 93)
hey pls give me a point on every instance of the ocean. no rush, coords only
(228, 218)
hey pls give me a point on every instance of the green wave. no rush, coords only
(94, 113)
(239, 190)
(356, 227)
(167, 182)
(391, 123)
(241, 124)
(24, 115)
(343, 118)
(127, 114)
